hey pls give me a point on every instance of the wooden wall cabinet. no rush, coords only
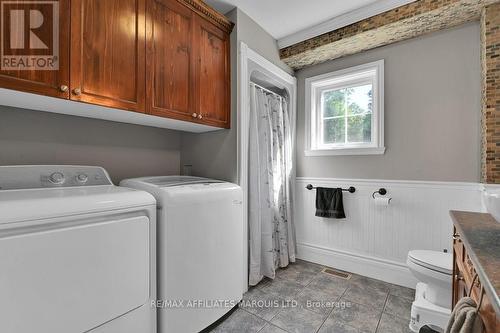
(168, 58)
(107, 53)
(212, 74)
(188, 74)
(43, 82)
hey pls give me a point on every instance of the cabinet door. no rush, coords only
(50, 39)
(213, 75)
(107, 53)
(169, 64)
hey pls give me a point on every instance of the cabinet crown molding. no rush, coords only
(209, 14)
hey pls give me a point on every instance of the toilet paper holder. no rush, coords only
(381, 191)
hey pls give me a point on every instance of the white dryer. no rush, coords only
(200, 249)
(77, 254)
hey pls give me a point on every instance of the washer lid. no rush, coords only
(169, 181)
(437, 261)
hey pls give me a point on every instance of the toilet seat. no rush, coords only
(437, 261)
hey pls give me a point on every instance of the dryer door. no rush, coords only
(71, 276)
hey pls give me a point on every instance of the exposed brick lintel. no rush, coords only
(412, 20)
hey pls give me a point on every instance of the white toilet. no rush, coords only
(433, 293)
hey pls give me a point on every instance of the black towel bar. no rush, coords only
(351, 189)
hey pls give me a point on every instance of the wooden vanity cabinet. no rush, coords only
(107, 53)
(53, 83)
(464, 276)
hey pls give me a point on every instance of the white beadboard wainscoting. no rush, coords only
(374, 240)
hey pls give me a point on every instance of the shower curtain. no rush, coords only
(271, 229)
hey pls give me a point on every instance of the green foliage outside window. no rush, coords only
(340, 107)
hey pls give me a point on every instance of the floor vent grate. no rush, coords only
(342, 275)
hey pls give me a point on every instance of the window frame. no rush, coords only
(370, 73)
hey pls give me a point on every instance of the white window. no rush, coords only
(345, 111)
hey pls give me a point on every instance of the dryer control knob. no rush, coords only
(56, 178)
(82, 178)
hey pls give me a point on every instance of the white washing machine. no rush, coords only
(77, 254)
(200, 249)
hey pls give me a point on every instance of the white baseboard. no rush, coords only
(380, 269)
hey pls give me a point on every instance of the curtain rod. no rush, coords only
(266, 90)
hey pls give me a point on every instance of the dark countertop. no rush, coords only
(480, 233)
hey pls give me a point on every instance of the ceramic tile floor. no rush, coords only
(303, 299)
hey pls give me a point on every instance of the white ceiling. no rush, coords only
(282, 18)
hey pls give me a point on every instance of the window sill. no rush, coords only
(346, 151)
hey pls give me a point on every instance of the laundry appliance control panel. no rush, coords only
(47, 176)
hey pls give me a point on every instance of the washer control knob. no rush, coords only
(82, 178)
(56, 178)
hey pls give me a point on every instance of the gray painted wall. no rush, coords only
(432, 111)
(214, 154)
(34, 137)
(259, 40)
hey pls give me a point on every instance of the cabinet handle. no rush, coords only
(194, 115)
(63, 88)
(77, 91)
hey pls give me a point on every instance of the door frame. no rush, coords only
(251, 63)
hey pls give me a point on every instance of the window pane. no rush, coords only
(359, 128)
(334, 130)
(333, 103)
(359, 99)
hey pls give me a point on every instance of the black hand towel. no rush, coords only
(329, 202)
